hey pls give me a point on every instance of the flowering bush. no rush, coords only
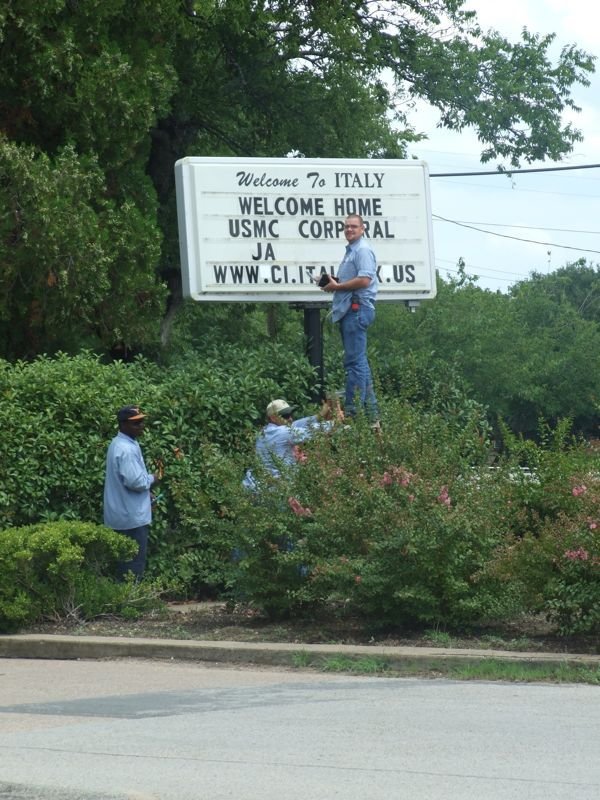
(408, 526)
(555, 568)
(414, 527)
(540, 477)
(397, 527)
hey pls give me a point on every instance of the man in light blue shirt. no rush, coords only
(277, 443)
(353, 307)
(127, 500)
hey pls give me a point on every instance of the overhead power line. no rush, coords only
(507, 273)
(516, 238)
(526, 227)
(495, 187)
(510, 172)
(485, 277)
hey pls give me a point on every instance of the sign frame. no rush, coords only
(262, 207)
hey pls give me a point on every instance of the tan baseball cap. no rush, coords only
(278, 408)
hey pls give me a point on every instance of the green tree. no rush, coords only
(576, 284)
(68, 250)
(82, 86)
(526, 356)
(106, 96)
(561, 370)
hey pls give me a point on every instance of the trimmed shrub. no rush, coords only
(411, 527)
(194, 533)
(57, 417)
(55, 569)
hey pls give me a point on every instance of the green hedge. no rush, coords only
(414, 528)
(411, 527)
(58, 416)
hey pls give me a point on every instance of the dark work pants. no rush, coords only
(138, 563)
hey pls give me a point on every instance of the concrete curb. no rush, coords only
(261, 653)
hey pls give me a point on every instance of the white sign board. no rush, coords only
(260, 229)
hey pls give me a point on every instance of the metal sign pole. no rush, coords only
(314, 348)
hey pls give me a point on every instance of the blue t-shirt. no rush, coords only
(126, 486)
(359, 262)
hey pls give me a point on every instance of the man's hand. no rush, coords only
(336, 410)
(325, 411)
(332, 286)
(331, 410)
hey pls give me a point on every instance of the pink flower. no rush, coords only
(298, 509)
(579, 490)
(577, 555)
(386, 479)
(397, 475)
(444, 498)
(300, 455)
(593, 525)
(402, 476)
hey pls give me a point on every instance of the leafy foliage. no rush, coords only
(59, 415)
(526, 356)
(100, 99)
(398, 527)
(55, 569)
(411, 527)
(59, 278)
(551, 561)
(415, 528)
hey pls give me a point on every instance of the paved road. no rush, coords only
(139, 730)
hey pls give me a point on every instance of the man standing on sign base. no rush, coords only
(353, 308)
(127, 499)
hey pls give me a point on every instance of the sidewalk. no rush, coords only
(253, 653)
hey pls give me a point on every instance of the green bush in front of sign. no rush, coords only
(414, 527)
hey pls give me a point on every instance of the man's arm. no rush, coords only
(366, 269)
(134, 476)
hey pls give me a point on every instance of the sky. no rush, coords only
(552, 209)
